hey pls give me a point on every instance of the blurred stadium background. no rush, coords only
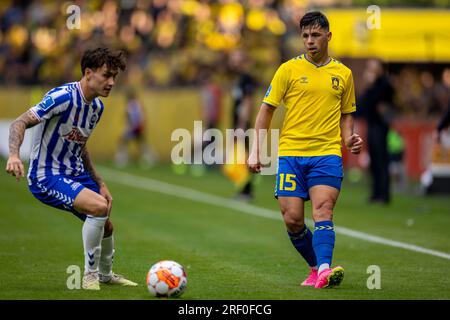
(185, 46)
(179, 52)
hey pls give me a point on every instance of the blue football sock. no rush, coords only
(323, 242)
(302, 241)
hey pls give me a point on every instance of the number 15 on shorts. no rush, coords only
(287, 182)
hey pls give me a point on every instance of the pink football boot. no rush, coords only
(329, 278)
(312, 279)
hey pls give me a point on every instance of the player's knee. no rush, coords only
(323, 215)
(100, 208)
(108, 229)
(325, 206)
(293, 220)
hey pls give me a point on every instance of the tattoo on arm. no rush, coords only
(17, 130)
(89, 166)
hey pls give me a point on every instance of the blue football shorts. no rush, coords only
(296, 175)
(60, 191)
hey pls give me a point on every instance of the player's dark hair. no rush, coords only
(314, 19)
(96, 58)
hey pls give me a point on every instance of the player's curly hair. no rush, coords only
(96, 58)
(314, 19)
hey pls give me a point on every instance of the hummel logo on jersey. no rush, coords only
(303, 79)
(76, 136)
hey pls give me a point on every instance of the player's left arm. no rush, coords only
(89, 167)
(352, 140)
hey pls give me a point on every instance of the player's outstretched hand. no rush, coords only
(104, 191)
(354, 143)
(253, 163)
(14, 166)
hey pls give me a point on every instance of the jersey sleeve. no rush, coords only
(278, 87)
(51, 105)
(348, 103)
(100, 112)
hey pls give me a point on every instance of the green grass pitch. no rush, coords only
(228, 254)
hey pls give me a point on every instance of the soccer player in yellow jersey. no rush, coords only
(318, 94)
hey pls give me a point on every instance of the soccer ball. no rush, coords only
(166, 279)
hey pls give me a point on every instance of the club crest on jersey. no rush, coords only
(335, 83)
(46, 103)
(75, 136)
(93, 119)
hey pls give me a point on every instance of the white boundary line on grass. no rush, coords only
(194, 195)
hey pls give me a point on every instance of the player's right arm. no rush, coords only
(14, 165)
(274, 96)
(352, 140)
(262, 124)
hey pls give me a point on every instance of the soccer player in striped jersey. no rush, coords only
(318, 94)
(61, 173)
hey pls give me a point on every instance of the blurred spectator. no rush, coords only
(396, 151)
(212, 95)
(445, 120)
(170, 39)
(169, 42)
(134, 131)
(377, 109)
(242, 94)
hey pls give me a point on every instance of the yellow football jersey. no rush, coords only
(314, 97)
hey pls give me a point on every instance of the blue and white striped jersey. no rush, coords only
(67, 121)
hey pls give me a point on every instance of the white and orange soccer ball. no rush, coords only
(166, 279)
